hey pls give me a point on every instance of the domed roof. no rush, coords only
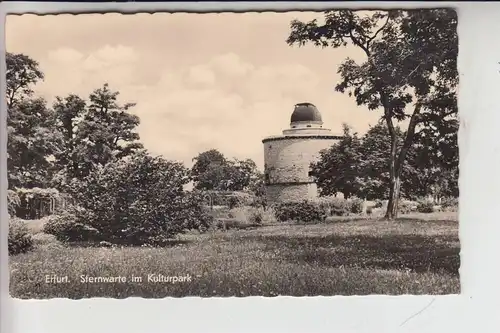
(306, 112)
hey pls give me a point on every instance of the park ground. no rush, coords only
(416, 254)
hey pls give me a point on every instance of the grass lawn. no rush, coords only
(418, 254)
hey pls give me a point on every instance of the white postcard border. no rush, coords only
(476, 308)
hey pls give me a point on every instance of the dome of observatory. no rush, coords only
(306, 112)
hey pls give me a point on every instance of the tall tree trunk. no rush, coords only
(397, 162)
(395, 180)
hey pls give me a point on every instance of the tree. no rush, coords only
(95, 132)
(139, 200)
(410, 65)
(22, 73)
(30, 125)
(31, 143)
(360, 167)
(68, 113)
(212, 171)
(338, 168)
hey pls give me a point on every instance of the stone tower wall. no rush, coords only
(287, 162)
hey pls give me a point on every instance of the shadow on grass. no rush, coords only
(90, 244)
(414, 252)
(374, 219)
(421, 219)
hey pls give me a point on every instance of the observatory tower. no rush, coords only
(287, 157)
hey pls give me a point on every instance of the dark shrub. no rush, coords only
(231, 199)
(36, 203)
(378, 204)
(303, 211)
(450, 204)
(425, 207)
(20, 240)
(140, 200)
(13, 202)
(356, 205)
(256, 216)
(406, 207)
(234, 201)
(68, 227)
(335, 206)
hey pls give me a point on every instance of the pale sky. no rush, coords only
(200, 81)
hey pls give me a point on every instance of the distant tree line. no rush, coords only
(358, 166)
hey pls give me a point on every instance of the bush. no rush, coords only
(231, 199)
(256, 217)
(406, 207)
(20, 240)
(450, 204)
(425, 207)
(140, 200)
(251, 215)
(13, 202)
(45, 240)
(304, 211)
(332, 206)
(234, 201)
(68, 228)
(378, 204)
(356, 205)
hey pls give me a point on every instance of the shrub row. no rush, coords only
(318, 210)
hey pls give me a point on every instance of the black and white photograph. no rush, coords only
(231, 154)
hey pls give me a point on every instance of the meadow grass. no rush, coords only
(357, 256)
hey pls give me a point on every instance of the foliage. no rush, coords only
(35, 203)
(44, 240)
(251, 215)
(303, 211)
(410, 63)
(406, 207)
(229, 198)
(50, 146)
(337, 169)
(450, 203)
(357, 205)
(367, 176)
(31, 140)
(140, 200)
(212, 171)
(234, 201)
(13, 202)
(22, 73)
(30, 135)
(68, 228)
(333, 206)
(425, 206)
(94, 133)
(20, 240)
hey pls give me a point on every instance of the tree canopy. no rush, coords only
(409, 72)
(213, 171)
(358, 166)
(49, 146)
